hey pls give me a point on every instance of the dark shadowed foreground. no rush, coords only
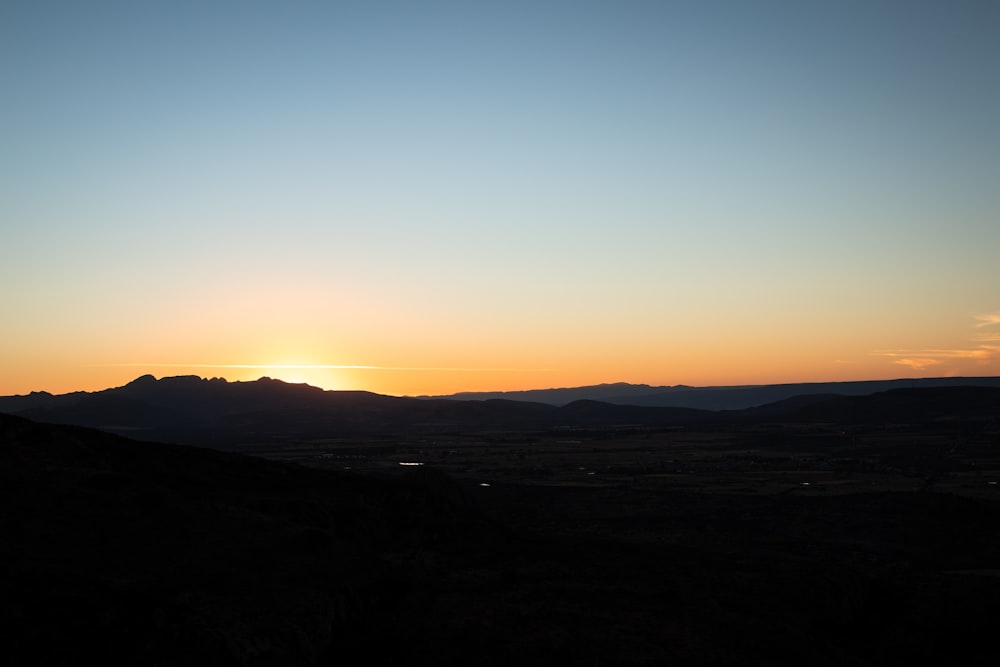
(125, 552)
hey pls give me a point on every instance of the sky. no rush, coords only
(428, 197)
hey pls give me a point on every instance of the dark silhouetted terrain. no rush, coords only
(193, 410)
(717, 398)
(836, 530)
(138, 553)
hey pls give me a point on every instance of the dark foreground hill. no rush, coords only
(137, 553)
(123, 552)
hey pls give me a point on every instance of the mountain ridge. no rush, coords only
(195, 410)
(723, 397)
(219, 413)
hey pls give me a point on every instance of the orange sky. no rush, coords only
(495, 196)
(447, 364)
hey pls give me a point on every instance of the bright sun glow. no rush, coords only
(294, 378)
(317, 375)
(452, 217)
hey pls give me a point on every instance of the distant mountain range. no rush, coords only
(193, 410)
(716, 398)
(189, 409)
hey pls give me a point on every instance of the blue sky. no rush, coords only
(382, 176)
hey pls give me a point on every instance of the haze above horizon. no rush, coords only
(430, 198)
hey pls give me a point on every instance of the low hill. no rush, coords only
(123, 552)
(928, 407)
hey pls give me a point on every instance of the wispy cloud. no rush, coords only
(917, 364)
(984, 351)
(922, 359)
(987, 319)
(136, 364)
(323, 367)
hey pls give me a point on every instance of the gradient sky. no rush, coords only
(429, 197)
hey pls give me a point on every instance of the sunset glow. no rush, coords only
(421, 198)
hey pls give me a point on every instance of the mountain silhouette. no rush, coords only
(190, 409)
(718, 398)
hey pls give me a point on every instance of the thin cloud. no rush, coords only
(960, 353)
(931, 356)
(987, 320)
(143, 364)
(327, 367)
(983, 350)
(917, 364)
